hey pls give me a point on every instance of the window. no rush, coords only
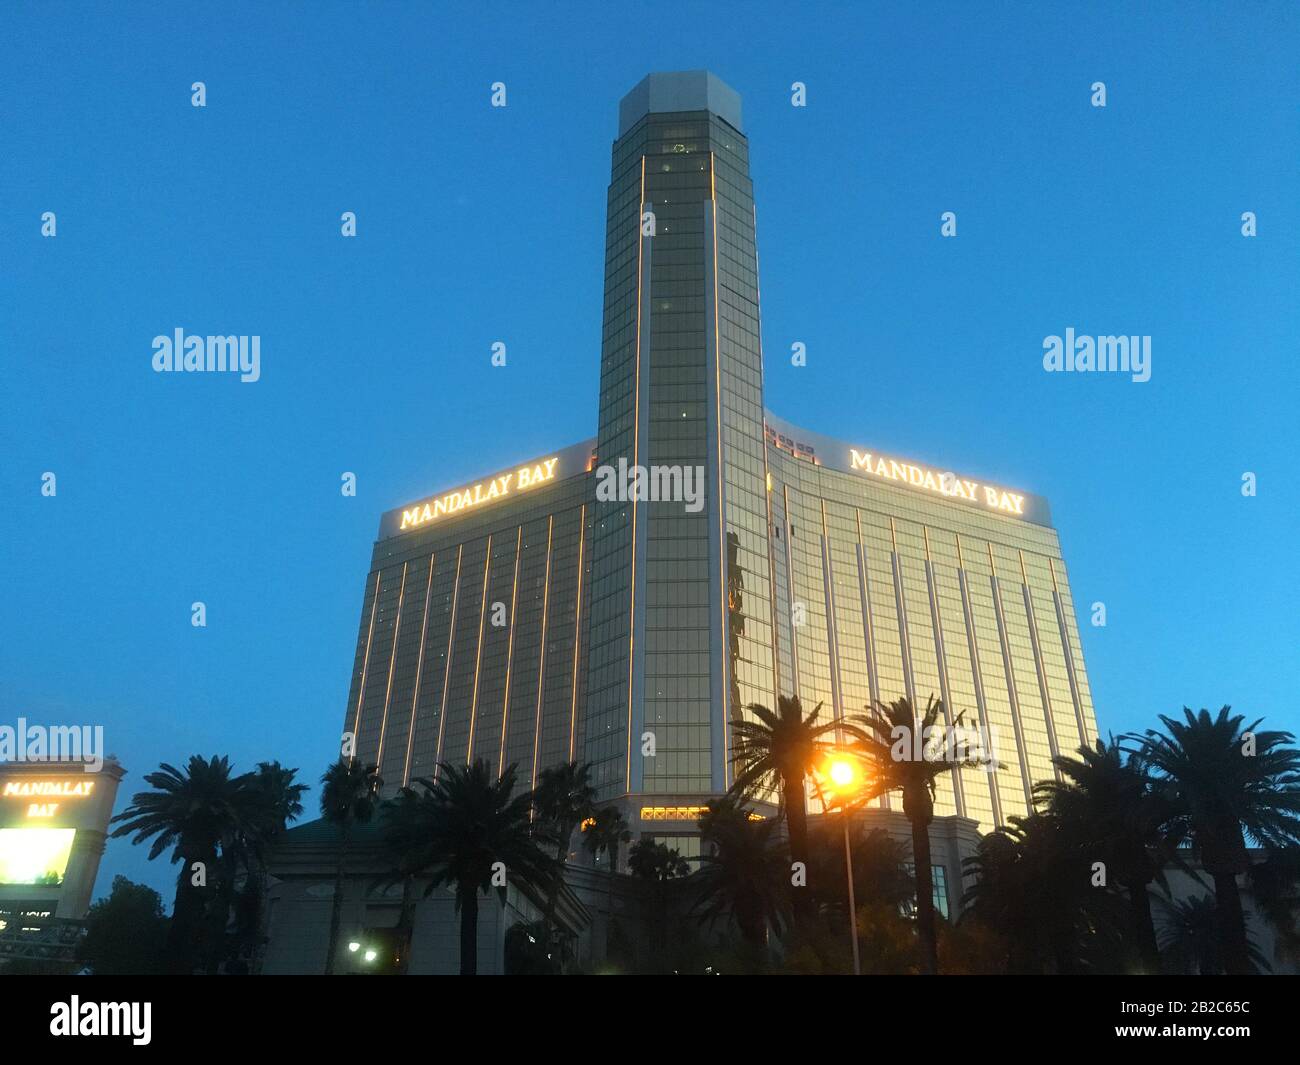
(939, 883)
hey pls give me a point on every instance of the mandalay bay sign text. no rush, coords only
(520, 480)
(944, 484)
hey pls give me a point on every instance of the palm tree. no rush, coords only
(777, 751)
(1232, 783)
(467, 831)
(563, 799)
(281, 794)
(608, 829)
(403, 825)
(349, 796)
(1191, 942)
(745, 878)
(1120, 815)
(880, 873)
(193, 811)
(655, 864)
(1032, 887)
(276, 800)
(1275, 883)
(895, 766)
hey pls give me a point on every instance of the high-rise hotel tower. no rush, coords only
(522, 619)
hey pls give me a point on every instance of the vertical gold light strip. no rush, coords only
(767, 472)
(541, 661)
(510, 652)
(1009, 668)
(1040, 665)
(832, 626)
(868, 626)
(446, 677)
(478, 654)
(771, 576)
(950, 712)
(868, 623)
(577, 633)
(977, 676)
(365, 668)
(636, 459)
(900, 604)
(791, 593)
(723, 593)
(1076, 696)
(392, 664)
(419, 671)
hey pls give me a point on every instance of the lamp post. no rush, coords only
(843, 774)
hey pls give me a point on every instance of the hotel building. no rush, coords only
(522, 618)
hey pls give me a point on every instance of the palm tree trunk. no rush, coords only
(219, 919)
(924, 894)
(1139, 903)
(1232, 925)
(336, 906)
(186, 922)
(406, 925)
(609, 897)
(553, 897)
(469, 933)
(796, 823)
(751, 923)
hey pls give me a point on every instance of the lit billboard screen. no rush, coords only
(34, 855)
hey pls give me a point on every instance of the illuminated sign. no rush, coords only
(66, 789)
(944, 484)
(34, 855)
(681, 813)
(520, 480)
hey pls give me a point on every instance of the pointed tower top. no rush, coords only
(684, 90)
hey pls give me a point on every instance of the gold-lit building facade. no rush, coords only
(473, 630)
(898, 583)
(526, 619)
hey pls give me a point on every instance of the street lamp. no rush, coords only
(843, 774)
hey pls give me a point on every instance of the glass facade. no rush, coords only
(629, 633)
(681, 607)
(472, 637)
(889, 591)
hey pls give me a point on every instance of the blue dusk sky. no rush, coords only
(478, 224)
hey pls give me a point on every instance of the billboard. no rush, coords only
(34, 855)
